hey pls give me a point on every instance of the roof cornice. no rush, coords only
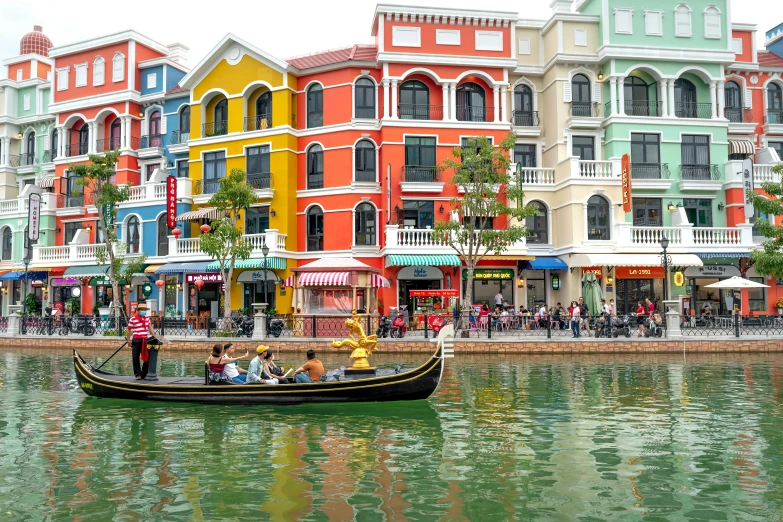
(109, 39)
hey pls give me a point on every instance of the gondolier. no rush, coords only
(139, 328)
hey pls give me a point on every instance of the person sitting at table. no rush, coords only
(706, 310)
(523, 310)
(496, 321)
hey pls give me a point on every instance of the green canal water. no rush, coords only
(504, 438)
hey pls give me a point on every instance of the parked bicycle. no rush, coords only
(78, 324)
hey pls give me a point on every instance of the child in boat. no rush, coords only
(256, 367)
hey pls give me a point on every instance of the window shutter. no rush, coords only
(163, 120)
(596, 92)
(683, 23)
(748, 98)
(144, 127)
(712, 25)
(567, 91)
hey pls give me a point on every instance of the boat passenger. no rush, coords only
(256, 366)
(310, 371)
(271, 370)
(217, 364)
(232, 369)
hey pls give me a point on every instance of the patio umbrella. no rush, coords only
(591, 291)
(735, 283)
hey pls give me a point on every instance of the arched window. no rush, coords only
(29, 158)
(597, 219)
(471, 105)
(221, 118)
(537, 225)
(8, 244)
(98, 71)
(365, 225)
(134, 233)
(774, 103)
(365, 162)
(315, 229)
(637, 96)
(685, 105)
(84, 138)
(758, 217)
(118, 68)
(315, 167)
(264, 111)
(154, 130)
(682, 20)
(364, 98)
(523, 107)
(163, 235)
(184, 125)
(581, 100)
(116, 134)
(734, 110)
(712, 24)
(414, 101)
(315, 106)
(54, 144)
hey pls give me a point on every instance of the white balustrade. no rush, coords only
(763, 173)
(159, 191)
(53, 253)
(137, 193)
(188, 245)
(536, 176)
(595, 169)
(9, 206)
(717, 236)
(84, 252)
(653, 235)
(418, 237)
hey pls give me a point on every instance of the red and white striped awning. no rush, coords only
(289, 281)
(378, 281)
(325, 279)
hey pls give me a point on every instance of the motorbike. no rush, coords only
(246, 326)
(398, 327)
(621, 326)
(384, 325)
(274, 326)
(82, 324)
(436, 323)
(653, 326)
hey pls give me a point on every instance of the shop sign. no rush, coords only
(171, 201)
(625, 165)
(37, 283)
(639, 272)
(555, 282)
(597, 270)
(679, 279)
(712, 271)
(146, 289)
(480, 274)
(421, 273)
(747, 184)
(254, 276)
(208, 277)
(66, 282)
(434, 293)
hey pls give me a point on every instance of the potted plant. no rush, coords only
(779, 305)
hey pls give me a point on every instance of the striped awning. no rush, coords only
(289, 281)
(46, 181)
(272, 263)
(423, 260)
(152, 269)
(325, 279)
(378, 281)
(741, 147)
(202, 213)
(714, 255)
(178, 268)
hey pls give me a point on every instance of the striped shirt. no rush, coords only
(139, 325)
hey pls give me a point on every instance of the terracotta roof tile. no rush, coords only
(176, 89)
(356, 53)
(770, 59)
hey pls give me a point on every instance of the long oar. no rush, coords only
(112, 355)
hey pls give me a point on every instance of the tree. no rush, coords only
(96, 179)
(491, 191)
(769, 260)
(224, 242)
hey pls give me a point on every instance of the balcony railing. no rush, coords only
(191, 246)
(179, 137)
(260, 181)
(206, 186)
(419, 174)
(774, 116)
(643, 108)
(75, 149)
(14, 160)
(738, 114)
(652, 235)
(536, 176)
(402, 240)
(699, 172)
(650, 171)
(152, 141)
(584, 109)
(524, 118)
(27, 159)
(477, 113)
(214, 128)
(420, 112)
(683, 238)
(717, 236)
(763, 173)
(46, 157)
(108, 144)
(260, 122)
(692, 110)
(595, 169)
(74, 201)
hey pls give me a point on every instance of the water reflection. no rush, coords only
(510, 439)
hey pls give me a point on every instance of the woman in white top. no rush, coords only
(575, 318)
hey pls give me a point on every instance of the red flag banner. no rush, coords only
(171, 201)
(626, 180)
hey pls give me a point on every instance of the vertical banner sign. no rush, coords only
(171, 201)
(625, 165)
(34, 217)
(748, 186)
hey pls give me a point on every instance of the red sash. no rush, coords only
(145, 353)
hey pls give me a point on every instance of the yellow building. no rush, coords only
(242, 116)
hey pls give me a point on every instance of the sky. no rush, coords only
(283, 29)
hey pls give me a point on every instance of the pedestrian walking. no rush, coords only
(575, 318)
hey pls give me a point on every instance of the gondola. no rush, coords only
(415, 384)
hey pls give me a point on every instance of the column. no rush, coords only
(613, 95)
(722, 100)
(495, 104)
(664, 97)
(91, 137)
(713, 105)
(672, 101)
(446, 102)
(5, 144)
(504, 104)
(621, 96)
(394, 99)
(123, 132)
(386, 99)
(453, 102)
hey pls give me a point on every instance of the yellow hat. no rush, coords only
(261, 348)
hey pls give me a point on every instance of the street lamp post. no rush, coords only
(666, 260)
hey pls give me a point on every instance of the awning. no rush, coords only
(378, 281)
(580, 260)
(152, 269)
(289, 281)
(202, 213)
(741, 147)
(723, 254)
(18, 275)
(46, 181)
(57, 270)
(324, 279)
(177, 268)
(272, 263)
(254, 276)
(507, 257)
(544, 263)
(414, 260)
(104, 281)
(86, 271)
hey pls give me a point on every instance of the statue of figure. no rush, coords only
(362, 345)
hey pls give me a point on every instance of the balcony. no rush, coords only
(651, 176)
(108, 145)
(685, 238)
(532, 177)
(421, 178)
(476, 113)
(151, 146)
(214, 128)
(75, 149)
(764, 174)
(21, 205)
(584, 115)
(155, 193)
(419, 112)
(190, 247)
(73, 254)
(255, 123)
(693, 110)
(526, 123)
(422, 241)
(700, 177)
(740, 120)
(15, 160)
(206, 187)
(644, 108)
(773, 121)
(178, 142)
(596, 169)
(46, 157)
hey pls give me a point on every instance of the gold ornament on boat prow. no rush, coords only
(362, 345)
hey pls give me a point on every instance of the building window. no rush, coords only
(653, 22)
(471, 105)
(84, 139)
(315, 167)
(151, 170)
(682, 20)
(733, 96)
(256, 220)
(580, 37)
(523, 107)
(69, 231)
(81, 74)
(8, 244)
(133, 235)
(420, 162)
(152, 80)
(365, 162)
(116, 134)
(364, 98)
(414, 101)
(699, 212)
(183, 169)
(214, 171)
(757, 297)
(154, 130)
(537, 226)
(647, 212)
(118, 68)
(98, 71)
(258, 160)
(418, 214)
(406, 36)
(365, 225)
(30, 148)
(163, 235)
(623, 21)
(479, 223)
(54, 145)
(777, 146)
(645, 156)
(184, 123)
(597, 219)
(685, 101)
(220, 125)
(583, 147)
(264, 111)
(315, 229)
(712, 24)
(26, 102)
(695, 163)
(774, 103)
(525, 155)
(637, 97)
(315, 106)
(581, 100)
(62, 79)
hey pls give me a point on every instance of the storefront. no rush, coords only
(539, 279)
(720, 302)
(258, 286)
(488, 282)
(201, 301)
(103, 293)
(634, 284)
(66, 294)
(413, 278)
